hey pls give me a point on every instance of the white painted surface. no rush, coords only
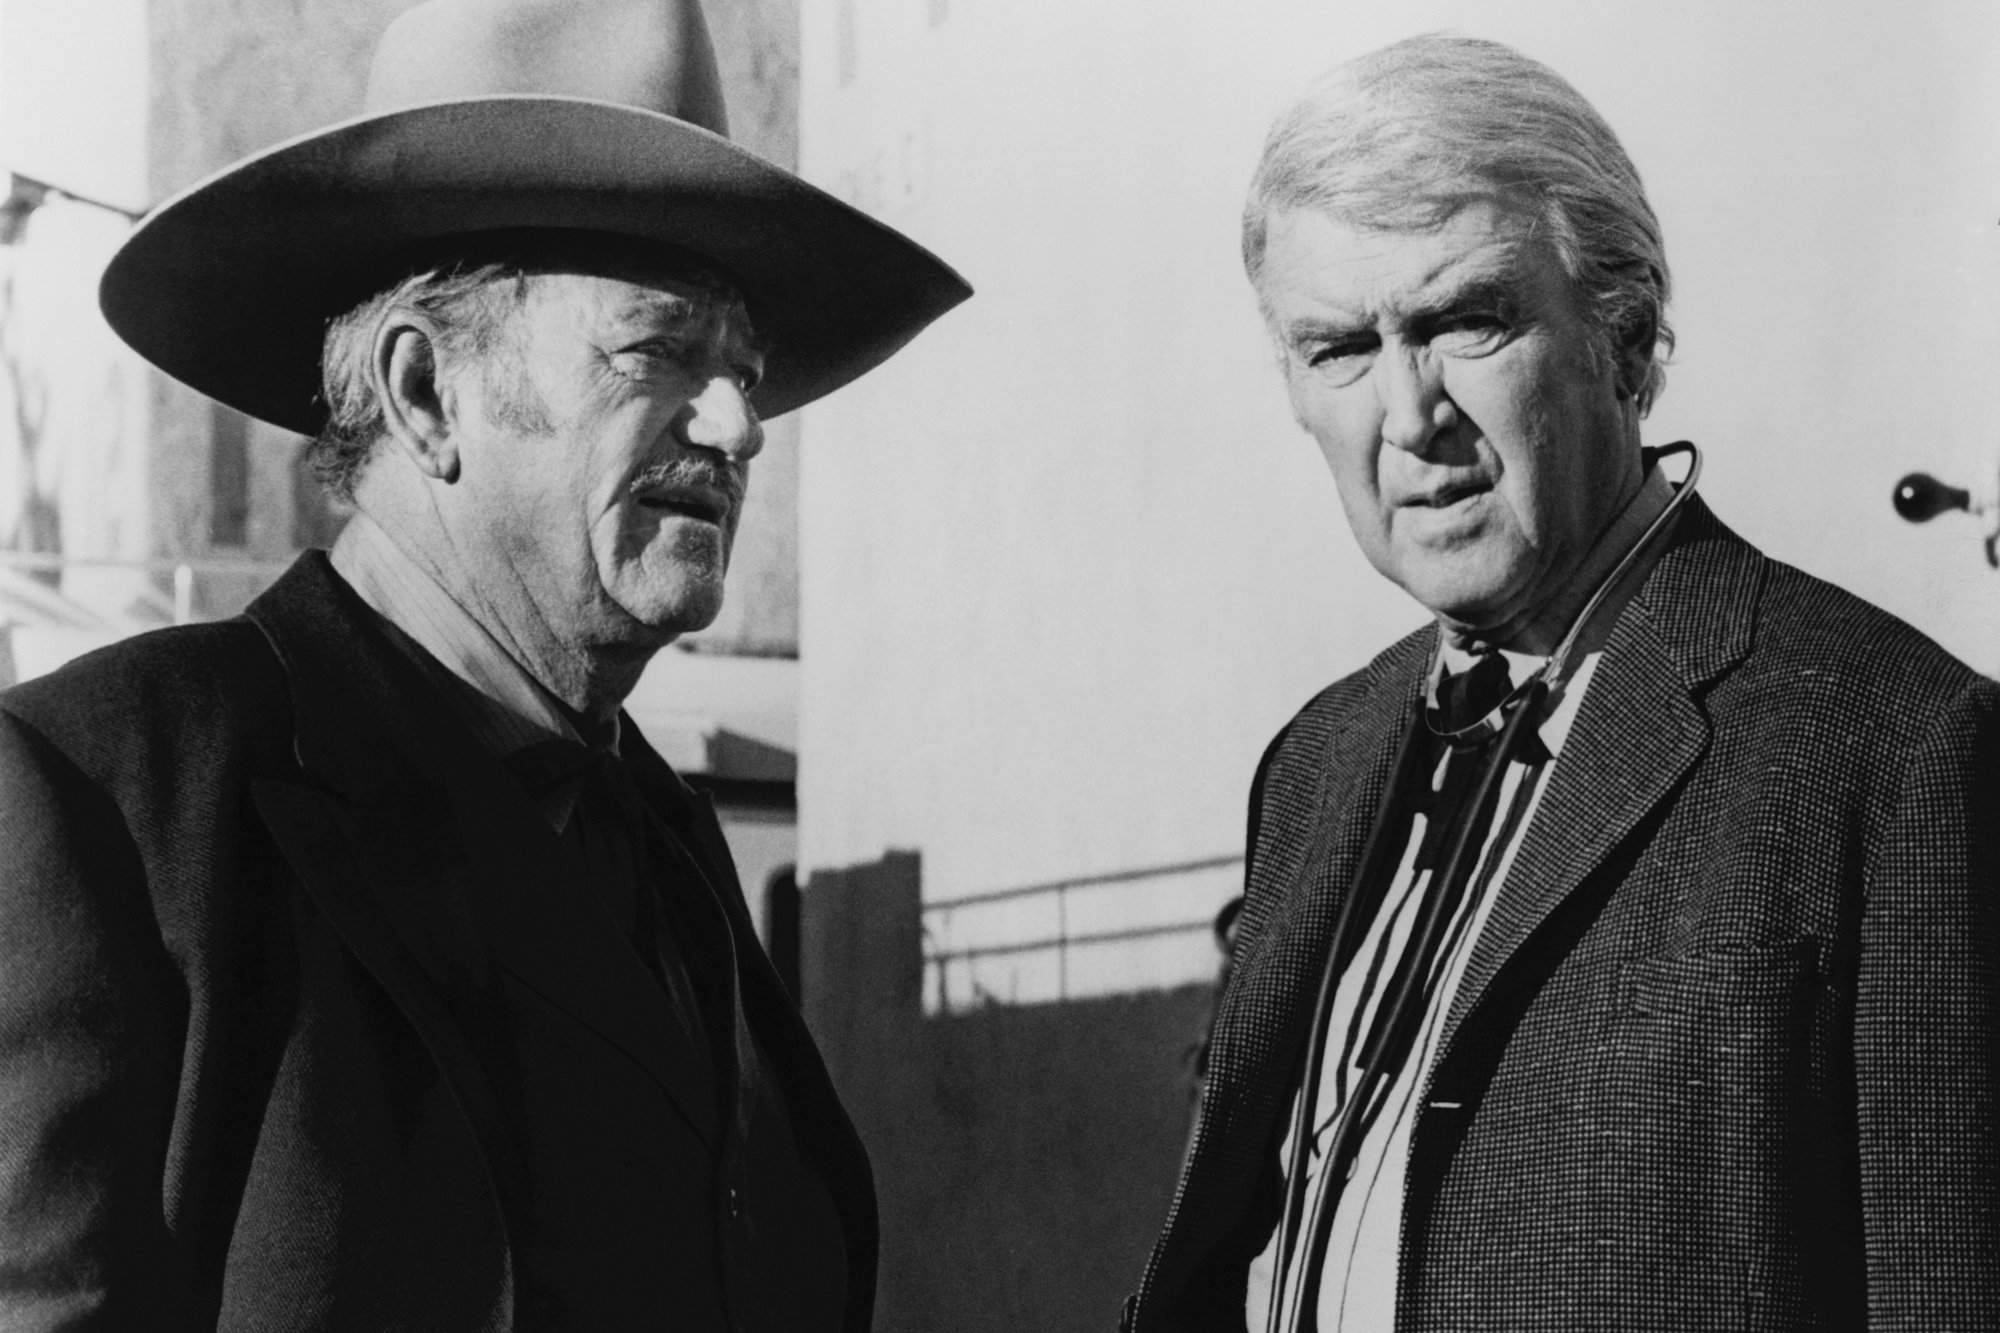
(730, 716)
(74, 409)
(73, 89)
(762, 843)
(73, 399)
(1067, 561)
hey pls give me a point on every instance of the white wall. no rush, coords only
(73, 89)
(1067, 561)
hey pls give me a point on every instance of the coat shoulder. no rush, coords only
(1302, 746)
(1325, 743)
(157, 701)
(1807, 625)
(1791, 639)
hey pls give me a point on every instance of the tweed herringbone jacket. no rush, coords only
(1727, 1055)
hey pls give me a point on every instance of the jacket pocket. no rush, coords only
(1758, 978)
(1698, 1147)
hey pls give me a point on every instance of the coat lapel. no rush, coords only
(1296, 887)
(430, 860)
(414, 959)
(549, 929)
(1639, 729)
(1281, 972)
(1261, 1023)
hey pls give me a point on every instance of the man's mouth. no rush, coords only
(689, 502)
(1444, 497)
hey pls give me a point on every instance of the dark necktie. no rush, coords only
(1447, 800)
(1464, 697)
(607, 827)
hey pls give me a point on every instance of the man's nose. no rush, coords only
(723, 420)
(1416, 408)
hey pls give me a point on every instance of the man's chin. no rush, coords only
(683, 620)
(661, 616)
(1463, 577)
(1473, 602)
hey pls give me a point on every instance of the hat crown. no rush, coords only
(653, 55)
(511, 116)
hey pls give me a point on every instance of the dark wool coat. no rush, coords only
(287, 964)
(1727, 1055)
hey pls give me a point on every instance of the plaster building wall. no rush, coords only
(1068, 563)
(1010, 1199)
(757, 53)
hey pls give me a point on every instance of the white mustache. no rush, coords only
(693, 474)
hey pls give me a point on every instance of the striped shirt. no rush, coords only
(1357, 1285)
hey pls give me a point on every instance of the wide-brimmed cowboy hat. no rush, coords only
(491, 116)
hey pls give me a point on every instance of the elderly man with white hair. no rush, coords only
(361, 967)
(1622, 950)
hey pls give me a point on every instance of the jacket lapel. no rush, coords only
(430, 860)
(1281, 972)
(701, 877)
(1262, 1021)
(763, 1006)
(413, 958)
(549, 929)
(1638, 730)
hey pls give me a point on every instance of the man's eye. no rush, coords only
(1335, 349)
(649, 357)
(1470, 335)
(1339, 362)
(748, 377)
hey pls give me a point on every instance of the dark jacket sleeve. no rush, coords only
(90, 1016)
(1927, 1032)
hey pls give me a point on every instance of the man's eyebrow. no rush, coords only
(1324, 328)
(1485, 290)
(1493, 286)
(661, 311)
(669, 309)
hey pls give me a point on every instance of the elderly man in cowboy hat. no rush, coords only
(1618, 951)
(360, 967)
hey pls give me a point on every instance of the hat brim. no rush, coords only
(229, 285)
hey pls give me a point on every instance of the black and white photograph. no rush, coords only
(945, 666)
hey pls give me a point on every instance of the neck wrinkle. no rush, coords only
(401, 507)
(462, 633)
(1538, 632)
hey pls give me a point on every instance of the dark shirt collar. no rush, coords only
(507, 710)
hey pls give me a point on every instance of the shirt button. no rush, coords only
(735, 1203)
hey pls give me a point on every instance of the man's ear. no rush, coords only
(415, 411)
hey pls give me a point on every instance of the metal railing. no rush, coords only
(1063, 940)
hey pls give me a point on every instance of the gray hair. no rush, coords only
(467, 307)
(1401, 138)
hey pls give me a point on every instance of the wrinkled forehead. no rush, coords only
(1478, 244)
(1397, 202)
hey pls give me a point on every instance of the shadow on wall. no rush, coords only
(1025, 1156)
